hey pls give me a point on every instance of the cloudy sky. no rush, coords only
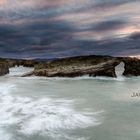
(59, 28)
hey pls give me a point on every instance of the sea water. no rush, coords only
(82, 108)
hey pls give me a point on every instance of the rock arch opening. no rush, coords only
(119, 69)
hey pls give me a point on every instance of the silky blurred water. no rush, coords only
(83, 108)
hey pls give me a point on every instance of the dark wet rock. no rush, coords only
(21, 62)
(4, 69)
(26, 63)
(11, 63)
(27, 74)
(132, 67)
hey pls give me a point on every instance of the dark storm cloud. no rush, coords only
(6, 31)
(113, 3)
(44, 33)
(51, 8)
(35, 38)
(135, 36)
(108, 25)
(57, 46)
(58, 28)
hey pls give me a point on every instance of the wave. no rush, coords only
(17, 71)
(85, 77)
(42, 116)
(4, 135)
(6, 88)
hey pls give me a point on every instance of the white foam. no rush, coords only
(44, 116)
(6, 88)
(18, 71)
(86, 77)
(4, 114)
(4, 135)
(15, 71)
(119, 69)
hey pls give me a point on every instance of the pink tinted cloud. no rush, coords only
(2, 2)
(61, 2)
(40, 3)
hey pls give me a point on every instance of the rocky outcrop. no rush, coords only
(11, 62)
(78, 66)
(132, 66)
(26, 63)
(75, 66)
(31, 73)
(20, 62)
(4, 69)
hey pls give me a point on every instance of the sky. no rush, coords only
(62, 28)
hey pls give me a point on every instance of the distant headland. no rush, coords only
(93, 65)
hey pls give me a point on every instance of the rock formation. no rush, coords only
(4, 69)
(75, 66)
(132, 66)
(21, 62)
(78, 66)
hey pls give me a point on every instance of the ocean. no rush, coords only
(82, 108)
